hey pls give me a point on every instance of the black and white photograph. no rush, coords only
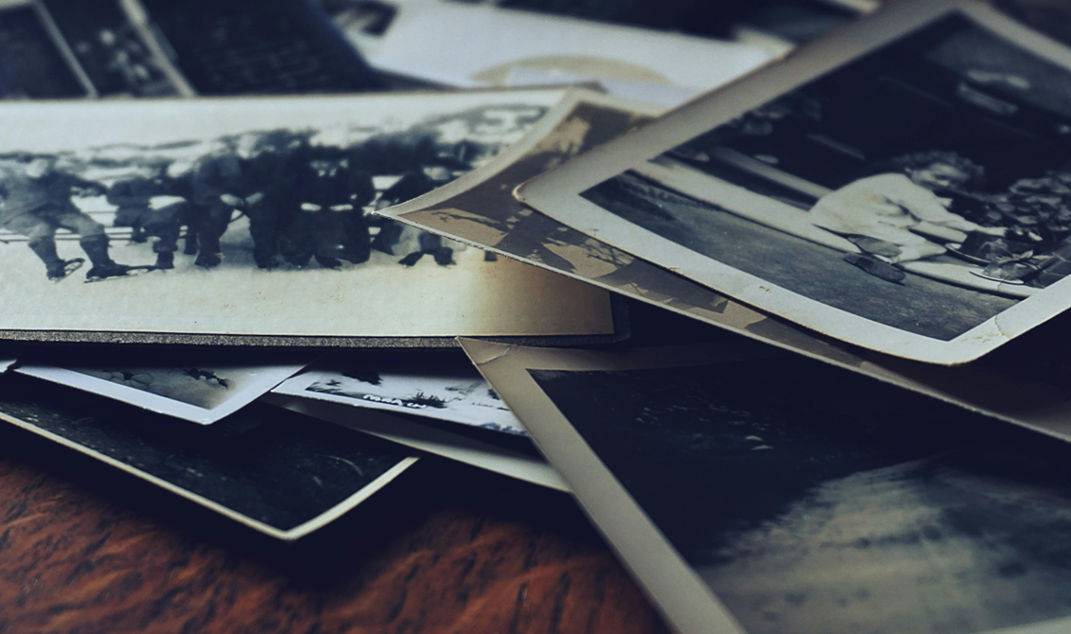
(279, 473)
(446, 390)
(252, 216)
(1024, 384)
(508, 455)
(831, 503)
(152, 48)
(198, 393)
(903, 187)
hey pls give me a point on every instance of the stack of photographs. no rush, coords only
(893, 200)
(246, 222)
(257, 302)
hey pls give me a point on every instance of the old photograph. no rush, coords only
(484, 45)
(200, 393)
(447, 390)
(505, 454)
(278, 473)
(1022, 384)
(831, 504)
(152, 48)
(253, 216)
(903, 187)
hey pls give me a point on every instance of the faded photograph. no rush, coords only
(302, 195)
(279, 473)
(196, 392)
(807, 509)
(951, 210)
(441, 390)
(218, 209)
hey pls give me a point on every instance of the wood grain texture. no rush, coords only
(447, 549)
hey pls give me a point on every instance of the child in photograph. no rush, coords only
(890, 213)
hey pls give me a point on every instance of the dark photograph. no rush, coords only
(925, 185)
(152, 48)
(277, 472)
(806, 509)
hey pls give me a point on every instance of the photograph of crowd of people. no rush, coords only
(919, 185)
(305, 203)
(221, 215)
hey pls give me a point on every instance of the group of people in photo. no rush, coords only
(304, 202)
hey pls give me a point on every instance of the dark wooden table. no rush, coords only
(85, 548)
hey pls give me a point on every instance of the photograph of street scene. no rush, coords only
(924, 185)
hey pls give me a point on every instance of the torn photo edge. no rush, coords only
(427, 438)
(586, 313)
(478, 209)
(561, 193)
(672, 582)
(309, 525)
(252, 382)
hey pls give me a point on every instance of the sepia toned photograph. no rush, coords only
(278, 473)
(199, 393)
(446, 391)
(807, 508)
(902, 187)
(253, 216)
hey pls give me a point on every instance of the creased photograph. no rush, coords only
(251, 217)
(199, 393)
(902, 186)
(278, 473)
(832, 503)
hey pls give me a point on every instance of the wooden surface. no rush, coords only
(84, 548)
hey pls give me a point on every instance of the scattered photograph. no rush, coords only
(33, 64)
(1023, 384)
(442, 390)
(505, 454)
(278, 473)
(153, 48)
(903, 187)
(197, 393)
(865, 508)
(252, 217)
(484, 45)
